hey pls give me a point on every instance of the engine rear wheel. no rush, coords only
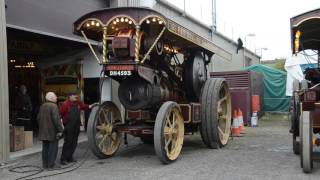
(104, 140)
(168, 132)
(216, 113)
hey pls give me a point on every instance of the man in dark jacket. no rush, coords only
(50, 130)
(70, 112)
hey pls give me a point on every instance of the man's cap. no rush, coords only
(72, 94)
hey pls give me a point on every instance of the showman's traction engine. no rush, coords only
(164, 87)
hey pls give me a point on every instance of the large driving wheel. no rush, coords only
(103, 138)
(215, 112)
(306, 148)
(168, 132)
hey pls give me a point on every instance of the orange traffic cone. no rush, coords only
(240, 116)
(235, 125)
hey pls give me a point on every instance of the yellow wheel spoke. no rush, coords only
(166, 130)
(99, 135)
(173, 120)
(220, 130)
(173, 145)
(105, 117)
(113, 136)
(102, 143)
(223, 117)
(168, 142)
(100, 127)
(222, 100)
(168, 120)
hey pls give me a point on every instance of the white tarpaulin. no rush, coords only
(293, 68)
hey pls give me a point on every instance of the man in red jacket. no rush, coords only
(70, 113)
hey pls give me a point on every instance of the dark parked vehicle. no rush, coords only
(305, 111)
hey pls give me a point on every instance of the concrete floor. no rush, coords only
(262, 153)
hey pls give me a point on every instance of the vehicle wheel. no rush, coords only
(306, 148)
(103, 138)
(147, 139)
(168, 132)
(215, 113)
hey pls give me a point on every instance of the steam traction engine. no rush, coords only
(305, 111)
(161, 69)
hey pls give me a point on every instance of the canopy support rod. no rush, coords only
(90, 46)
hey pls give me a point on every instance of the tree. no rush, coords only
(280, 64)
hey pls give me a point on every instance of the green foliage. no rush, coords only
(278, 64)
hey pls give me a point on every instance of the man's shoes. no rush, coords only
(72, 161)
(63, 162)
(54, 167)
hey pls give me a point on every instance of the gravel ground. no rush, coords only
(262, 153)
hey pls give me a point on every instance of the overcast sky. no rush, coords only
(269, 20)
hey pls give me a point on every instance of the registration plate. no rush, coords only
(120, 73)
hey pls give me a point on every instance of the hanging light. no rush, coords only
(148, 22)
(117, 20)
(114, 22)
(154, 19)
(92, 23)
(97, 24)
(122, 19)
(130, 22)
(88, 24)
(297, 41)
(160, 22)
(126, 20)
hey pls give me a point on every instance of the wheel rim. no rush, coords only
(224, 114)
(173, 133)
(107, 139)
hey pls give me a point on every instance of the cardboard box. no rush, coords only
(28, 139)
(16, 138)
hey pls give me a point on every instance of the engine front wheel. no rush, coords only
(104, 140)
(168, 132)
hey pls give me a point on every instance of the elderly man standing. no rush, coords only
(50, 130)
(70, 112)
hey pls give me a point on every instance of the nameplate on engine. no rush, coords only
(120, 68)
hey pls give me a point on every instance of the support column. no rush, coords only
(4, 96)
(104, 45)
(137, 44)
